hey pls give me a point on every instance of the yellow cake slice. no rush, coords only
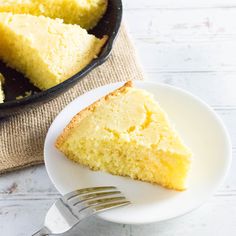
(86, 13)
(127, 133)
(45, 50)
(1, 90)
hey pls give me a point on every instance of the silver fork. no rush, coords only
(75, 206)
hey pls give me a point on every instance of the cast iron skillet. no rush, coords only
(16, 85)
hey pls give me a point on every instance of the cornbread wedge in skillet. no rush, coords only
(45, 50)
(85, 13)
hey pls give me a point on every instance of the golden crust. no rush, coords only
(86, 111)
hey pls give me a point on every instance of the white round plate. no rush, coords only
(199, 127)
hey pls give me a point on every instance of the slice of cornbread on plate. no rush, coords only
(127, 133)
(45, 50)
(86, 13)
(1, 91)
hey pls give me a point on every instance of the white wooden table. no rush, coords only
(187, 43)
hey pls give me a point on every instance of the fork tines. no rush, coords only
(96, 198)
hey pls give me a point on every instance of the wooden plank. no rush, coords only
(167, 4)
(186, 40)
(22, 218)
(30, 181)
(179, 26)
(216, 217)
(186, 57)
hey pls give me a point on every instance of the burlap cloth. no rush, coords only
(22, 136)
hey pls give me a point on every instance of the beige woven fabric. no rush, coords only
(22, 136)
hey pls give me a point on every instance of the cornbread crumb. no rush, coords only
(26, 94)
(45, 50)
(85, 13)
(2, 79)
(127, 133)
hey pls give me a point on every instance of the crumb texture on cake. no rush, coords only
(127, 133)
(45, 50)
(86, 13)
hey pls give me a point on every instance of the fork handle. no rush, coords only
(42, 232)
